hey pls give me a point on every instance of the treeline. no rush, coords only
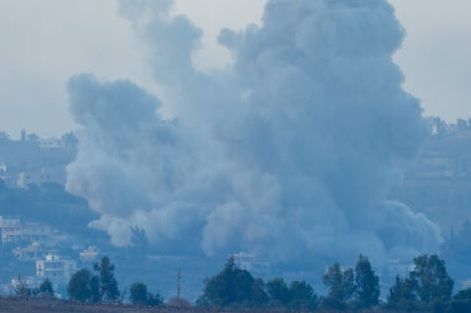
(426, 288)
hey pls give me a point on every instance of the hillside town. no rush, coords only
(36, 247)
(41, 240)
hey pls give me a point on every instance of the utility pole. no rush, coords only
(179, 278)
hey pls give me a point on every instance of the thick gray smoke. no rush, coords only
(288, 154)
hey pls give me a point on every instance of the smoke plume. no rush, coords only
(290, 153)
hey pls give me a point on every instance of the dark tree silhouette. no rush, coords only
(366, 283)
(430, 276)
(278, 291)
(302, 296)
(46, 288)
(138, 294)
(233, 287)
(402, 295)
(79, 286)
(428, 287)
(340, 284)
(95, 296)
(108, 284)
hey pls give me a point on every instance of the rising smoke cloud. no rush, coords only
(289, 153)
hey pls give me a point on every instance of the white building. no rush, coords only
(55, 268)
(90, 254)
(13, 230)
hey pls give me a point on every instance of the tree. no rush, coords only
(431, 279)
(340, 284)
(463, 295)
(278, 291)
(108, 284)
(366, 283)
(85, 287)
(46, 288)
(233, 287)
(94, 284)
(302, 296)
(402, 295)
(298, 295)
(138, 294)
(79, 286)
(428, 286)
(154, 299)
(461, 302)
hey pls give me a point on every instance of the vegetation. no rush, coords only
(340, 284)
(83, 287)
(108, 285)
(366, 284)
(299, 295)
(426, 288)
(140, 296)
(233, 287)
(46, 288)
(94, 288)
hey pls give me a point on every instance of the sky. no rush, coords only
(46, 42)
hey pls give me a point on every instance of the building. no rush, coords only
(36, 177)
(51, 143)
(20, 282)
(33, 252)
(14, 231)
(89, 255)
(10, 229)
(35, 232)
(55, 268)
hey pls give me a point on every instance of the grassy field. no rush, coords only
(53, 306)
(14, 305)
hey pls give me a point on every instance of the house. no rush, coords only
(55, 268)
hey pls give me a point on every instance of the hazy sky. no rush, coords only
(45, 42)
